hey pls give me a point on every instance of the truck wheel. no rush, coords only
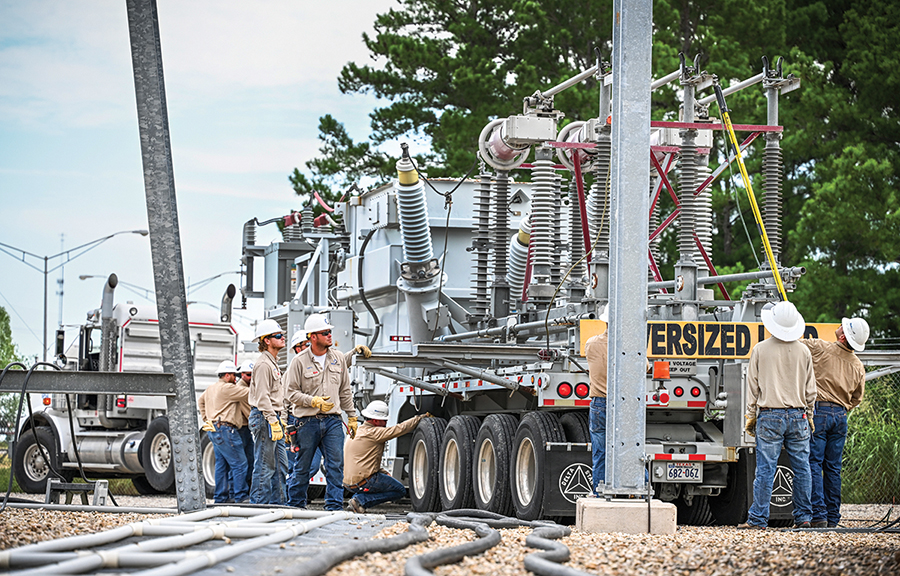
(424, 458)
(529, 462)
(455, 469)
(490, 474)
(156, 455)
(30, 464)
(576, 427)
(208, 464)
(143, 487)
(696, 513)
(730, 508)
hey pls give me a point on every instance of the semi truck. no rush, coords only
(119, 435)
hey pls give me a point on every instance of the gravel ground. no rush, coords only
(692, 550)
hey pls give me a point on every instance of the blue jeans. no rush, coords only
(598, 441)
(826, 451)
(247, 441)
(787, 426)
(269, 463)
(231, 464)
(326, 433)
(378, 489)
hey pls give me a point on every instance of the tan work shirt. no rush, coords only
(362, 455)
(306, 378)
(596, 350)
(245, 405)
(840, 376)
(222, 402)
(780, 375)
(266, 393)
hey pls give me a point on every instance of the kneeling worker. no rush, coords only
(363, 475)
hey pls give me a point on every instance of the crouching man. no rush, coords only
(363, 476)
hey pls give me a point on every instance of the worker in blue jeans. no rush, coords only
(595, 350)
(221, 407)
(841, 383)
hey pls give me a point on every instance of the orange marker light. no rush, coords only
(661, 370)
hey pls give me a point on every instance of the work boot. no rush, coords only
(832, 525)
(356, 506)
(802, 525)
(819, 524)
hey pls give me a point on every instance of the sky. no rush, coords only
(246, 83)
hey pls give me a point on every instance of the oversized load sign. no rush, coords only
(705, 340)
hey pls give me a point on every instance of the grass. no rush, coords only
(871, 465)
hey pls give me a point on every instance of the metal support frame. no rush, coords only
(66, 382)
(626, 412)
(165, 248)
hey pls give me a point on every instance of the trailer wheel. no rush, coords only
(156, 455)
(529, 462)
(730, 508)
(424, 458)
(457, 456)
(696, 513)
(30, 464)
(490, 474)
(576, 427)
(208, 464)
(143, 487)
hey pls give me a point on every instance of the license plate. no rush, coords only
(684, 471)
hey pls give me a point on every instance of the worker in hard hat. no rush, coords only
(267, 417)
(840, 384)
(243, 379)
(781, 395)
(299, 343)
(595, 351)
(363, 476)
(315, 377)
(221, 409)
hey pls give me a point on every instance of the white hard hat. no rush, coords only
(857, 332)
(376, 410)
(783, 321)
(316, 323)
(605, 314)
(266, 327)
(247, 366)
(226, 367)
(298, 337)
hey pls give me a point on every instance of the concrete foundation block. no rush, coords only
(628, 516)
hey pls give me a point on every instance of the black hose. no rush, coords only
(16, 435)
(548, 563)
(487, 539)
(362, 291)
(75, 447)
(328, 559)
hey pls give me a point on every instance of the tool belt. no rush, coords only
(824, 404)
(359, 484)
(222, 423)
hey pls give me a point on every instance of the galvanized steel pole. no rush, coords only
(165, 247)
(630, 180)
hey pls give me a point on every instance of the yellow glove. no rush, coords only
(750, 427)
(208, 426)
(429, 415)
(812, 422)
(276, 432)
(322, 403)
(364, 350)
(353, 424)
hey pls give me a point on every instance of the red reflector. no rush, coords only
(46, 401)
(679, 391)
(564, 390)
(664, 398)
(695, 391)
(582, 390)
(120, 402)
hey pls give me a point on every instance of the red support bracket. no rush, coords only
(665, 224)
(725, 165)
(655, 270)
(709, 264)
(665, 180)
(667, 162)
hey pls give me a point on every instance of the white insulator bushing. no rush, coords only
(414, 222)
(543, 212)
(518, 262)
(703, 214)
(496, 152)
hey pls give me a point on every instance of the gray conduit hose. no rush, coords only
(487, 539)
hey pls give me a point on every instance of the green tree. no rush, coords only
(8, 353)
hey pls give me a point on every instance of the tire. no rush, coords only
(490, 473)
(457, 458)
(695, 514)
(529, 462)
(315, 491)
(156, 455)
(576, 426)
(143, 487)
(731, 507)
(424, 459)
(208, 464)
(30, 466)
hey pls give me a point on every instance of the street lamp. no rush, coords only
(14, 252)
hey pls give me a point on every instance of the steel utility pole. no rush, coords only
(165, 247)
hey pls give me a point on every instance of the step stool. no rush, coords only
(55, 488)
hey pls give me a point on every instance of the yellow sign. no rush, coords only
(704, 339)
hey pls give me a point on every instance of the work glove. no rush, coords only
(276, 432)
(429, 415)
(812, 422)
(322, 403)
(750, 426)
(364, 350)
(352, 424)
(208, 426)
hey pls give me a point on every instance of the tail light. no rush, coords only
(45, 400)
(582, 390)
(564, 390)
(679, 391)
(695, 392)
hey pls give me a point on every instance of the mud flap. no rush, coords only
(567, 477)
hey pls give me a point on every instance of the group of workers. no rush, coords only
(272, 431)
(800, 391)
